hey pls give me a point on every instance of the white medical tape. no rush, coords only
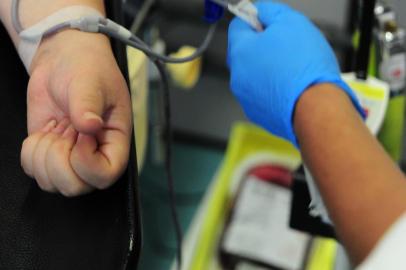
(31, 38)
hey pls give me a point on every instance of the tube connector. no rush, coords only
(87, 24)
(213, 12)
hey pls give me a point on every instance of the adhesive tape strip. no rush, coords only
(31, 37)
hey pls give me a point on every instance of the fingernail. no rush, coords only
(92, 116)
(51, 124)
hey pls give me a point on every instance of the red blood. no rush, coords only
(397, 73)
(275, 174)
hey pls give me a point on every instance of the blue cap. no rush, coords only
(212, 11)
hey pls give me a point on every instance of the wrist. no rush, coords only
(43, 12)
(318, 104)
(71, 43)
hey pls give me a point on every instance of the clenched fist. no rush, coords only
(79, 115)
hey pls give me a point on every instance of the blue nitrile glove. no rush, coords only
(271, 69)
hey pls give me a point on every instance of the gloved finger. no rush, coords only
(239, 29)
(101, 162)
(29, 145)
(269, 12)
(38, 163)
(59, 169)
(86, 104)
(239, 32)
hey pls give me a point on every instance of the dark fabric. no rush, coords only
(44, 231)
(300, 218)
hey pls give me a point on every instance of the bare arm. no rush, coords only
(33, 11)
(78, 105)
(275, 80)
(365, 192)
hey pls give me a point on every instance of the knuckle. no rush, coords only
(43, 185)
(69, 193)
(25, 143)
(29, 141)
(24, 159)
(73, 190)
(106, 179)
(104, 182)
(26, 169)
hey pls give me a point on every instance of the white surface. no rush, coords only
(260, 227)
(317, 207)
(390, 251)
(192, 236)
(248, 12)
(393, 70)
(261, 158)
(377, 108)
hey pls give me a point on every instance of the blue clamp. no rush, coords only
(212, 11)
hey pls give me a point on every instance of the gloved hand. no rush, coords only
(271, 69)
(79, 115)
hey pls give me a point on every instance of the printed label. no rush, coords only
(260, 227)
(393, 71)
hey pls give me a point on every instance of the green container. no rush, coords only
(391, 134)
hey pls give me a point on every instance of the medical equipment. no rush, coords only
(390, 66)
(93, 22)
(364, 48)
(391, 48)
(98, 24)
(243, 9)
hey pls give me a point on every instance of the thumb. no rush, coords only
(86, 105)
(268, 11)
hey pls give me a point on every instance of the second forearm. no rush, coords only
(363, 189)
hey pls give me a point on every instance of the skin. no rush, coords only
(364, 191)
(79, 129)
(79, 115)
